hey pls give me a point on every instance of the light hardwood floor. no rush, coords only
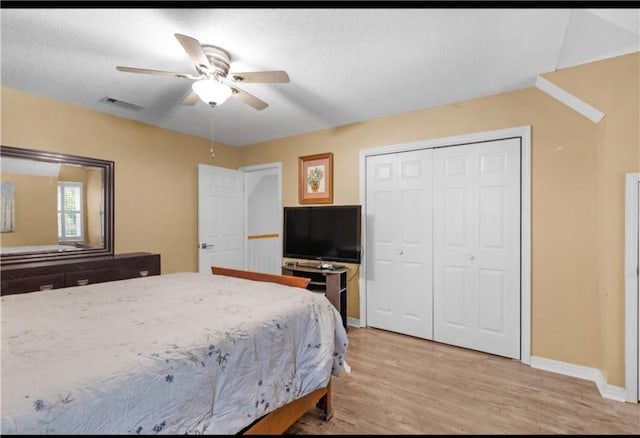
(404, 385)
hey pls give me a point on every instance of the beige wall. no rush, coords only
(36, 206)
(155, 170)
(36, 219)
(576, 196)
(563, 181)
(613, 87)
(577, 190)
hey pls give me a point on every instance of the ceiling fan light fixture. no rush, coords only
(212, 92)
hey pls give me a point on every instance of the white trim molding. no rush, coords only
(524, 133)
(569, 99)
(581, 372)
(631, 286)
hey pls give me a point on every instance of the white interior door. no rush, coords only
(220, 218)
(476, 253)
(398, 242)
(632, 287)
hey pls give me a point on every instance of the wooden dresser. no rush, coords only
(34, 276)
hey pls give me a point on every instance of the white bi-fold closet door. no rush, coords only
(443, 244)
(399, 242)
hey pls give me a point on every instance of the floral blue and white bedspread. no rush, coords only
(181, 353)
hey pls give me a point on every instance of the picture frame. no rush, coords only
(315, 179)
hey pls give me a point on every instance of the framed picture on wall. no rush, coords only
(315, 185)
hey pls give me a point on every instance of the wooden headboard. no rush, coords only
(288, 280)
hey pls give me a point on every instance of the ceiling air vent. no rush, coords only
(120, 103)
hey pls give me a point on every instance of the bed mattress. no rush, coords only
(179, 353)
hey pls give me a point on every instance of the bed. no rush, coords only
(184, 353)
(8, 250)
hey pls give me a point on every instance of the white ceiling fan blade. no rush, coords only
(260, 76)
(154, 72)
(249, 99)
(194, 50)
(190, 99)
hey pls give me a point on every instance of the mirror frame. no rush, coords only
(108, 187)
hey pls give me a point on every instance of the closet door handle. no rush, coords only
(471, 257)
(400, 252)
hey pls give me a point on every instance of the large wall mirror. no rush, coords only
(54, 206)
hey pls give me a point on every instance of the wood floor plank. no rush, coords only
(404, 385)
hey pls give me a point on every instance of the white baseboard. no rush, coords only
(581, 372)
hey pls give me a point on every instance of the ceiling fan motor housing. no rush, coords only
(219, 60)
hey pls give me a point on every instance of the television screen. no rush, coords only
(329, 233)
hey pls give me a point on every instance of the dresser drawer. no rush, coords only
(20, 278)
(134, 267)
(97, 275)
(32, 284)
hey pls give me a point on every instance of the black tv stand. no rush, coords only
(333, 282)
(312, 265)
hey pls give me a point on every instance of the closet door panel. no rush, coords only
(477, 246)
(399, 243)
(380, 242)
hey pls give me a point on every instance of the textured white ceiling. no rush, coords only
(345, 65)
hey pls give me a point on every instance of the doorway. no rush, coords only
(632, 287)
(240, 217)
(263, 218)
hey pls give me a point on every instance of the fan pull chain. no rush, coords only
(213, 154)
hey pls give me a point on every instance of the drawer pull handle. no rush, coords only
(83, 282)
(144, 273)
(46, 287)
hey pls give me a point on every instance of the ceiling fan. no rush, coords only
(214, 82)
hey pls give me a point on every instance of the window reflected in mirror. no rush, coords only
(7, 204)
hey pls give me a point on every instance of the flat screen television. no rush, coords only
(323, 233)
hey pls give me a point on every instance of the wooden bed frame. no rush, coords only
(278, 421)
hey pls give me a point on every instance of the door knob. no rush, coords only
(400, 252)
(206, 245)
(470, 257)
